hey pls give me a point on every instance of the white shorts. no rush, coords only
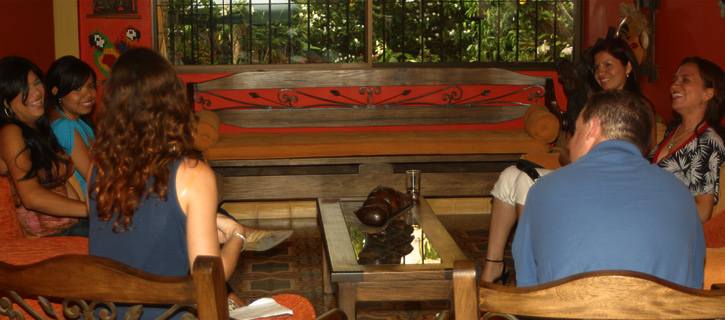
(513, 185)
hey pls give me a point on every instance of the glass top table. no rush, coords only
(403, 241)
(411, 260)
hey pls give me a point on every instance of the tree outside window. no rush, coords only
(244, 32)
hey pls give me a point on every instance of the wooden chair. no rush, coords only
(81, 282)
(76, 284)
(589, 295)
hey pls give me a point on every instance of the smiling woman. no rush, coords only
(693, 146)
(72, 85)
(37, 166)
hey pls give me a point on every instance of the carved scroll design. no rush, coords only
(77, 309)
(450, 96)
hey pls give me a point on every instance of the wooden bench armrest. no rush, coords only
(97, 280)
(465, 290)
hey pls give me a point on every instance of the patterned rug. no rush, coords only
(295, 266)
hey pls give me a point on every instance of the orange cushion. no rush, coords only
(715, 231)
(9, 223)
(372, 143)
(540, 123)
(301, 308)
(26, 251)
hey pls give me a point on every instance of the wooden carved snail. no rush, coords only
(382, 204)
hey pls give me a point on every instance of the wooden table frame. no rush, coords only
(356, 282)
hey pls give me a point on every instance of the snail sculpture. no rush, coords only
(382, 204)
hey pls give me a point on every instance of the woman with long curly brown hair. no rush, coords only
(152, 202)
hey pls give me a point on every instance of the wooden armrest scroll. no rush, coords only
(211, 294)
(465, 294)
(605, 295)
(86, 282)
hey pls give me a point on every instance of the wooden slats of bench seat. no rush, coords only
(310, 178)
(247, 146)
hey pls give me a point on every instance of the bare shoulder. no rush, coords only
(189, 164)
(10, 131)
(197, 178)
(11, 139)
(194, 169)
(11, 145)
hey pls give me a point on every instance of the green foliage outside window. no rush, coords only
(203, 32)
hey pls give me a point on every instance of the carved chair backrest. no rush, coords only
(379, 97)
(591, 295)
(89, 281)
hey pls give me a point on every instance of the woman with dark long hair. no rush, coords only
(72, 94)
(614, 66)
(30, 155)
(693, 145)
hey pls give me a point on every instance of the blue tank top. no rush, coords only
(64, 130)
(156, 241)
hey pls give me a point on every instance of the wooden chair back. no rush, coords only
(94, 281)
(590, 295)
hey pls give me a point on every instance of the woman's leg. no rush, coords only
(509, 196)
(503, 218)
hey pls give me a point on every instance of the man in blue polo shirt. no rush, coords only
(610, 209)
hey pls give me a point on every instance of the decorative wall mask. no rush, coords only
(638, 30)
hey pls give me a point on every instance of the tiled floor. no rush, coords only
(295, 266)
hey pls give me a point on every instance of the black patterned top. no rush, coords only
(697, 163)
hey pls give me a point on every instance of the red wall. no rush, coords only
(683, 28)
(27, 30)
(599, 16)
(112, 28)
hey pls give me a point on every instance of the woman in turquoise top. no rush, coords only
(72, 94)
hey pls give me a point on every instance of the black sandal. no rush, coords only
(502, 279)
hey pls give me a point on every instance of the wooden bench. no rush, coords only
(306, 134)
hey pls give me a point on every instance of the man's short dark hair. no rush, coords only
(622, 116)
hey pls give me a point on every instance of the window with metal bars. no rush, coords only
(208, 32)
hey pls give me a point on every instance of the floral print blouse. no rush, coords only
(697, 163)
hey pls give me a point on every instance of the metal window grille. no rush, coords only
(205, 32)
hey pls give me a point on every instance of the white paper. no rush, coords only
(262, 308)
